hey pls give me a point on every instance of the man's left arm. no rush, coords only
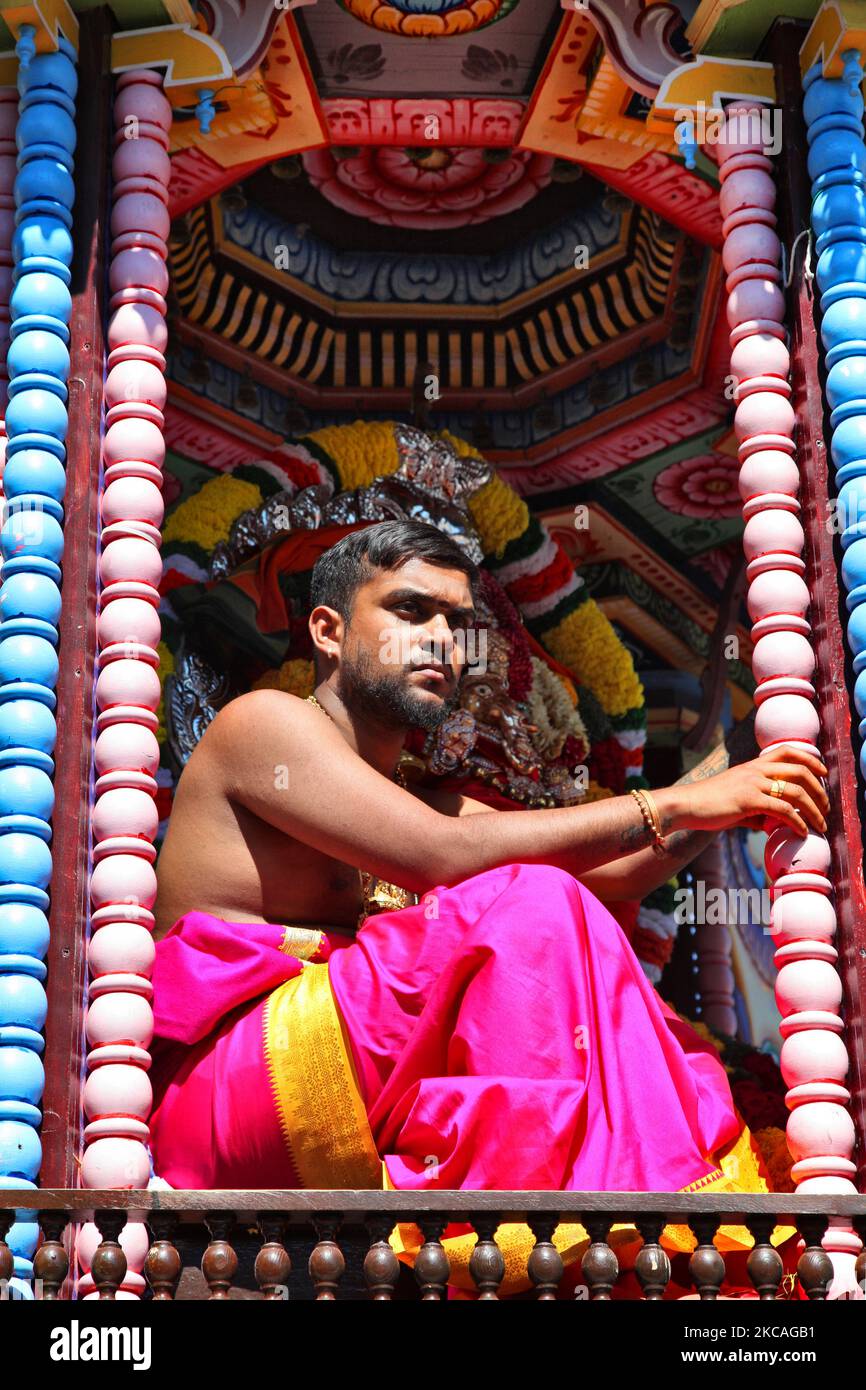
(635, 875)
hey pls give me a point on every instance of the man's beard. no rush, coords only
(364, 690)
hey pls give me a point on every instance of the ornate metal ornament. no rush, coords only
(486, 720)
(434, 464)
(431, 484)
(193, 695)
(253, 530)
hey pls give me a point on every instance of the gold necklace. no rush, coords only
(399, 774)
(378, 895)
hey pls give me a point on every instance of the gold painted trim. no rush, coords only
(301, 942)
(187, 54)
(315, 1087)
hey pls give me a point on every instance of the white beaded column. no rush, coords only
(814, 1060)
(117, 1093)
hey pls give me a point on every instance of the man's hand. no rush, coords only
(742, 795)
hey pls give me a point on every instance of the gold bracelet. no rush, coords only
(652, 820)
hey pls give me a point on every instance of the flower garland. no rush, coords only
(164, 670)
(295, 677)
(206, 518)
(554, 715)
(586, 642)
(358, 453)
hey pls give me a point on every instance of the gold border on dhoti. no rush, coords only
(301, 942)
(315, 1087)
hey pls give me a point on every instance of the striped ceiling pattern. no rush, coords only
(541, 336)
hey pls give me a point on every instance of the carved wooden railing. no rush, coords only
(341, 1249)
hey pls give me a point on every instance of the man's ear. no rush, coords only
(327, 631)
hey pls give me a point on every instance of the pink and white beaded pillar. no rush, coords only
(8, 169)
(117, 1093)
(803, 921)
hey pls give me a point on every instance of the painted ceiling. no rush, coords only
(473, 213)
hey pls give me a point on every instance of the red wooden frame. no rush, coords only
(69, 898)
(67, 972)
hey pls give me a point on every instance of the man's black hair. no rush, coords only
(339, 573)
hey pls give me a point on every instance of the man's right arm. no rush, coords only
(288, 765)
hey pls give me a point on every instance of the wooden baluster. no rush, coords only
(487, 1263)
(219, 1263)
(706, 1266)
(764, 1264)
(652, 1266)
(273, 1262)
(109, 1262)
(327, 1263)
(432, 1265)
(51, 1261)
(545, 1267)
(814, 1267)
(163, 1265)
(7, 1260)
(381, 1266)
(600, 1266)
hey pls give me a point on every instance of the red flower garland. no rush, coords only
(530, 588)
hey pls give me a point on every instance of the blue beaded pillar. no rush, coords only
(837, 164)
(31, 544)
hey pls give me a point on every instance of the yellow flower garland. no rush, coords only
(206, 518)
(499, 515)
(586, 643)
(165, 668)
(297, 677)
(362, 451)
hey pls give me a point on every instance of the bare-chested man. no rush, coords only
(279, 805)
(458, 1016)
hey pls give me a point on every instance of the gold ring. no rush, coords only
(777, 788)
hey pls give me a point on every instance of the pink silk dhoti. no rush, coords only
(501, 1034)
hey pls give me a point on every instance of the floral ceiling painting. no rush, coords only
(429, 18)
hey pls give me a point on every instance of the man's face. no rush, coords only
(404, 649)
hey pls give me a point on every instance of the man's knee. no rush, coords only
(547, 878)
(535, 898)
